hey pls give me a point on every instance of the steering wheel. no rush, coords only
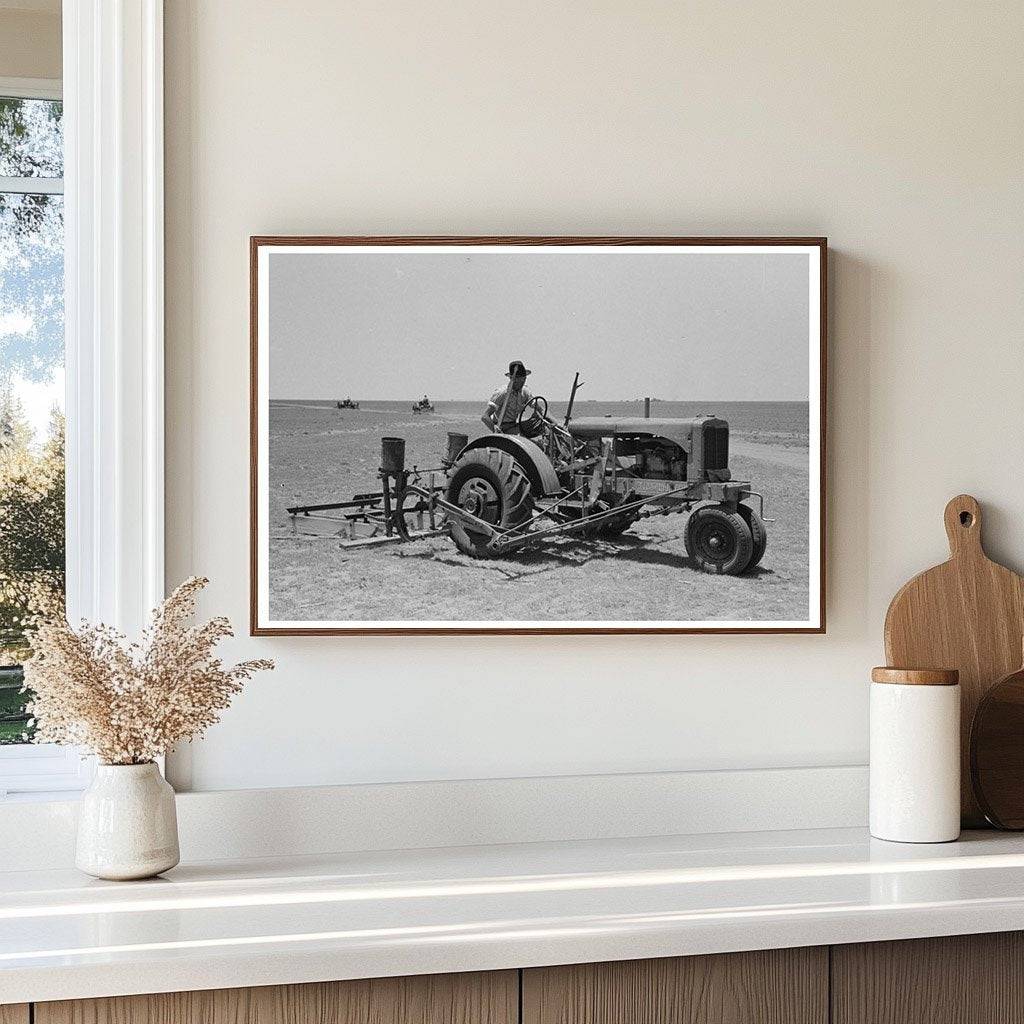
(537, 407)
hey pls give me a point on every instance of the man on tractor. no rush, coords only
(507, 404)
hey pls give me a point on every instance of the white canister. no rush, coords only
(915, 755)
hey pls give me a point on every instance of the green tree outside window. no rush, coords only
(32, 555)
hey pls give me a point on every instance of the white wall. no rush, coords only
(895, 129)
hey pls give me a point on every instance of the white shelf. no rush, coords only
(351, 915)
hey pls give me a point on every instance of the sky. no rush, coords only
(677, 326)
(38, 400)
(31, 326)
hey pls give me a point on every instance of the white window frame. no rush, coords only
(114, 324)
(32, 88)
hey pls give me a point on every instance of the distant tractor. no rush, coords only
(592, 477)
(423, 405)
(347, 403)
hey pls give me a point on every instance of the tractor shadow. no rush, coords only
(524, 564)
(646, 554)
(572, 553)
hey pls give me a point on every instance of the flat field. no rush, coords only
(319, 453)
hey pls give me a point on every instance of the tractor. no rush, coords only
(593, 477)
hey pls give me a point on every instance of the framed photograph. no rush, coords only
(537, 435)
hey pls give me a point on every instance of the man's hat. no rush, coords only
(516, 369)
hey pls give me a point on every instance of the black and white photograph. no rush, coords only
(557, 435)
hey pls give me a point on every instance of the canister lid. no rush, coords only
(916, 676)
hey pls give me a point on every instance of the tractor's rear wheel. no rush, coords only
(490, 485)
(758, 533)
(719, 540)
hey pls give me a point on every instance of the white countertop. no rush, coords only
(261, 922)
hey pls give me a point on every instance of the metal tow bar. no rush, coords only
(506, 540)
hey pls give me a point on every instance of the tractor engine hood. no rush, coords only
(680, 431)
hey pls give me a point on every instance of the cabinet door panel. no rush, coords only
(14, 1013)
(778, 986)
(960, 979)
(482, 998)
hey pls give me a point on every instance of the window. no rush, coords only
(91, 171)
(32, 548)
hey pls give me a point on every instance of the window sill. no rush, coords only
(44, 771)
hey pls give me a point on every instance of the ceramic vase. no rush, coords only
(127, 825)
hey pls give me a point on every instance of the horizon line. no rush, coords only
(579, 401)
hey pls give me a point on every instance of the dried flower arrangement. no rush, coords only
(130, 703)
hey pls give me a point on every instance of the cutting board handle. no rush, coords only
(963, 526)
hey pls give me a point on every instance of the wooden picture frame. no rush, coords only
(263, 623)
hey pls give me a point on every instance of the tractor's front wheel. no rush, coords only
(719, 540)
(490, 485)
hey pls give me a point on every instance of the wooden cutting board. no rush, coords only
(967, 614)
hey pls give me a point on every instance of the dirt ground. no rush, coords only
(321, 454)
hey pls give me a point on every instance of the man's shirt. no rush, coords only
(516, 404)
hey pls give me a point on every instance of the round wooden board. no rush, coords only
(997, 752)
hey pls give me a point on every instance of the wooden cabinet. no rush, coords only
(777, 986)
(491, 998)
(970, 979)
(963, 979)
